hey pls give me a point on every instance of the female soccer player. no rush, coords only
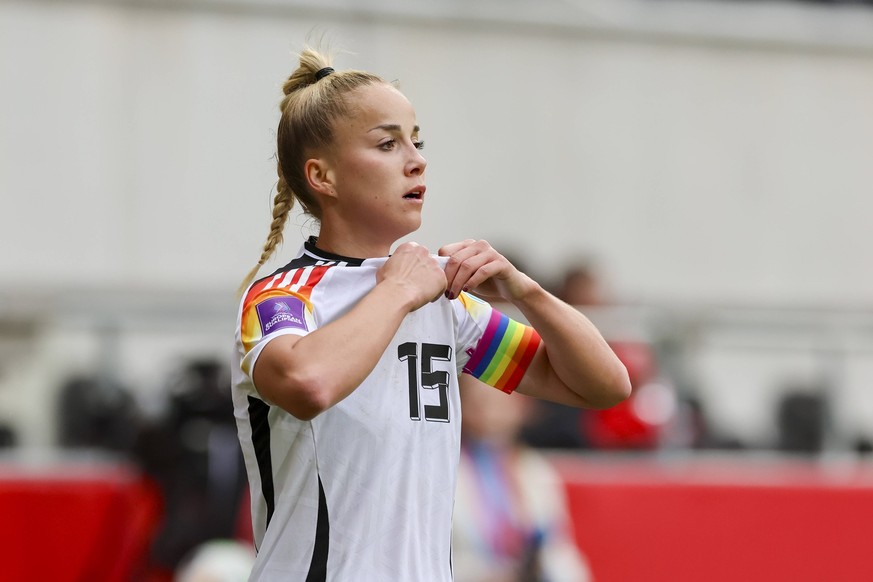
(346, 384)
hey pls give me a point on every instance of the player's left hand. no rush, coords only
(475, 266)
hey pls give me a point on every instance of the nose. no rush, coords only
(416, 164)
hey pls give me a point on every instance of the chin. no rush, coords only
(411, 226)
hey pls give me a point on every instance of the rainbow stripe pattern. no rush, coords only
(296, 284)
(503, 353)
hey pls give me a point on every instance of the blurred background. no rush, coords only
(693, 175)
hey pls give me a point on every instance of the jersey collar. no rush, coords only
(311, 248)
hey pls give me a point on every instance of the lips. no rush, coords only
(416, 193)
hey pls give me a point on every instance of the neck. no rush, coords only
(347, 244)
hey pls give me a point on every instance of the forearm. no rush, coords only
(577, 354)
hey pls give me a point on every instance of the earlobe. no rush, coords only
(319, 176)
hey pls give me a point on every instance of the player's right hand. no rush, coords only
(416, 273)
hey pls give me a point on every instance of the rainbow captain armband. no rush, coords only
(503, 353)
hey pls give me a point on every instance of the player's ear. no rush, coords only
(319, 176)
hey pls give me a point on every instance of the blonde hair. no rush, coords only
(310, 106)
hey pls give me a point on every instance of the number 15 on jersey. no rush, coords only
(426, 378)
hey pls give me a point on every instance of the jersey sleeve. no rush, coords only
(497, 350)
(268, 314)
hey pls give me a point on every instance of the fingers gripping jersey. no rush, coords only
(364, 491)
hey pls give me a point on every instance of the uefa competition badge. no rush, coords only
(281, 313)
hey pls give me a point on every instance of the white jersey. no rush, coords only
(364, 491)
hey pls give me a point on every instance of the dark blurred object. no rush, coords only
(193, 453)
(554, 426)
(531, 562)
(8, 438)
(802, 420)
(96, 413)
(863, 446)
(698, 430)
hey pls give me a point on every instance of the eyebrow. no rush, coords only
(393, 127)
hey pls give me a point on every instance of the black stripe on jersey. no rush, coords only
(318, 566)
(451, 565)
(259, 418)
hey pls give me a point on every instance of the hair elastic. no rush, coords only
(322, 73)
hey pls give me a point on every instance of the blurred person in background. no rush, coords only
(552, 425)
(653, 416)
(511, 520)
(192, 452)
(94, 412)
(348, 359)
(581, 285)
